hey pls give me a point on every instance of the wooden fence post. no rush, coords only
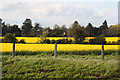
(55, 50)
(13, 53)
(102, 52)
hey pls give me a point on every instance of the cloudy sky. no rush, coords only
(51, 12)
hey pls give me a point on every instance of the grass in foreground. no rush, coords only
(64, 66)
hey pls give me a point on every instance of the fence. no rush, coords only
(55, 51)
(8, 47)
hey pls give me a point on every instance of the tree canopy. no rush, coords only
(29, 30)
(77, 32)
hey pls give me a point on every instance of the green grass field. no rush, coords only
(65, 66)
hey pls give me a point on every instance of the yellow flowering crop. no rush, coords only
(37, 39)
(7, 47)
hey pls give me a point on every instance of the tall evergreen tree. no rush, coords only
(103, 28)
(90, 29)
(104, 25)
(26, 27)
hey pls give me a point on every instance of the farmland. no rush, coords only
(37, 39)
(56, 40)
(78, 61)
(7, 47)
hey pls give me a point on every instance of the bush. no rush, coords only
(41, 40)
(59, 41)
(109, 42)
(1, 40)
(100, 39)
(9, 38)
(113, 43)
(63, 41)
(118, 42)
(22, 41)
(115, 53)
(85, 42)
(47, 41)
(91, 41)
(52, 42)
(70, 41)
(67, 41)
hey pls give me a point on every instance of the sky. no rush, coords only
(50, 12)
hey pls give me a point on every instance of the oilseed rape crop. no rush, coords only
(7, 47)
(37, 39)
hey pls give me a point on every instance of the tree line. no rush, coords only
(75, 30)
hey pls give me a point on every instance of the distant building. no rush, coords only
(64, 34)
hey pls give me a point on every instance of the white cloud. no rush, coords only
(49, 14)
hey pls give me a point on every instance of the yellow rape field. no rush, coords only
(108, 39)
(7, 47)
(37, 39)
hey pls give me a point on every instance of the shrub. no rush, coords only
(115, 54)
(47, 41)
(91, 41)
(9, 38)
(63, 41)
(22, 41)
(70, 41)
(1, 40)
(67, 41)
(100, 39)
(118, 42)
(52, 42)
(42, 40)
(85, 42)
(109, 42)
(113, 43)
(59, 41)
